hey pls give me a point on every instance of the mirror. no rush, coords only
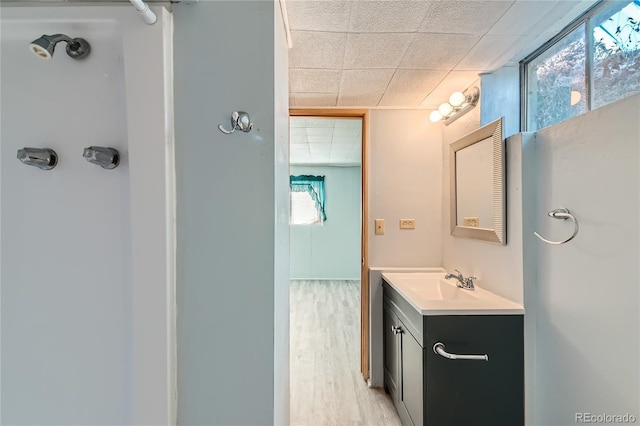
(477, 168)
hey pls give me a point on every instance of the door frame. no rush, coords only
(364, 235)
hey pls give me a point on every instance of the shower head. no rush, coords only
(43, 47)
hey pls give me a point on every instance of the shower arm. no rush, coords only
(57, 38)
(143, 9)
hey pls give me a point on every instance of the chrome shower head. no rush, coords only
(43, 47)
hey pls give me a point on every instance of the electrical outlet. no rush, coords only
(407, 224)
(471, 222)
(379, 225)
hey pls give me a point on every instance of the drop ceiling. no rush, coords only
(323, 140)
(412, 54)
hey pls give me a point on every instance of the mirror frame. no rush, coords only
(498, 234)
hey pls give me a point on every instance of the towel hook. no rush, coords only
(562, 214)
(239, 121)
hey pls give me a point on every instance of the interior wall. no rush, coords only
(585, 294)
(331, 250)
(232, 225)
(405, 182)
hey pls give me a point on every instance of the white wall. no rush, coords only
(232, 193)
(332, 250)
(585, 294)
(405, 182)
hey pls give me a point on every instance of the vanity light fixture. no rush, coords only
(459, 103)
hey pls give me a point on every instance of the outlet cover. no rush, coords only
(379, 225)
(407, 224)
(471, 222)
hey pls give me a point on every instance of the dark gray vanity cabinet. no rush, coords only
(429, 389)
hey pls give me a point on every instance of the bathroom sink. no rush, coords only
(438, 289)
(431, 294)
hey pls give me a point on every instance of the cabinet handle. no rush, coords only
(396, 330)
(439, 349)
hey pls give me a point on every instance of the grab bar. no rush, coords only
(439, 349)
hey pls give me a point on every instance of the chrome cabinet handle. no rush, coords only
(439, 349)
(396, 330)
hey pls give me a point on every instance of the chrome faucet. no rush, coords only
(466, 283)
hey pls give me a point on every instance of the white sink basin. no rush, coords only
(437, 289)
(431, 294)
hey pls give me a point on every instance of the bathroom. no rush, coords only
(225, 255)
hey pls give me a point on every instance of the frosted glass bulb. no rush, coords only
(435, 116)
(575, 97)
(457, 98)
(445, 109)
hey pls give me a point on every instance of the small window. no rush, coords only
(591, 63)
(307, 200)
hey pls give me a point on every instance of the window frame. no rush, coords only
(586, 19)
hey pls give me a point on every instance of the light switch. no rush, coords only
(407, 224)
(379, 225)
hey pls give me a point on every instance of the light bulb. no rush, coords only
(445, 109)
(575, 97)
(457, 98)
(435, 116)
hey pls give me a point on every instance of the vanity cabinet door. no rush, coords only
(412, 378)
(470, 392)
(391, 354)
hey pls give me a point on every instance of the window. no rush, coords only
(307, 200)
(593, 62)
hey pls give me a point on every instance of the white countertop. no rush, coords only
(430, 294)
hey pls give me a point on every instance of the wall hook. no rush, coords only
(240, 120)
(562, 214)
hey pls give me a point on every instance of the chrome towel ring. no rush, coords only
(562, 214)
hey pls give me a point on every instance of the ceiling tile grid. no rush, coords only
(368, 53)
(325, 140)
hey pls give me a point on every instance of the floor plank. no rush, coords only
(327, 387)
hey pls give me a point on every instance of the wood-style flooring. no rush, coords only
(327, 387)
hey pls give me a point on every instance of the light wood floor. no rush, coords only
(327, 387)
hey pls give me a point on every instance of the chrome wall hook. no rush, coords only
(42, 158)
(562, 214)
(240, 120)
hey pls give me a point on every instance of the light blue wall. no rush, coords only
(330, 251)
(500, 93)
(232, 214)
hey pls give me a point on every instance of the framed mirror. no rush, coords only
(477, 170)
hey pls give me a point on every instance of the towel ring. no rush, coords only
(562, 214)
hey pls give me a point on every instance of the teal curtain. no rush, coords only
(314, 185)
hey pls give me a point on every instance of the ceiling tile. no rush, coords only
(455, 81)
(313, 81)
(345, 140)
(359, 99)
(420, 81)
(315, 99)
(437, 51)
(387, 16)
(317, 50)
(346, 131)
(527, 16)
(491, 50)
(375, 50)
(349, 122)
(463, 17)
(326, 122)
(354, 81)
(402, 99)
(320, 131)
(325, 15)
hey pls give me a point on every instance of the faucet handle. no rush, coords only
(469, 281)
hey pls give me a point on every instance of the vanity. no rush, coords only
(452, 356)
